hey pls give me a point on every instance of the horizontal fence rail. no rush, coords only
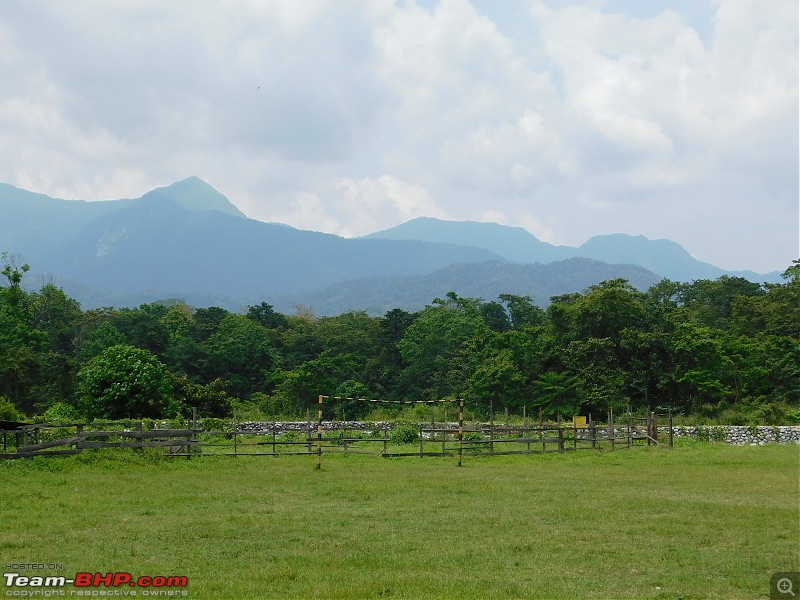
(445, 438)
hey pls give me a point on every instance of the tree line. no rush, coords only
(725, 349)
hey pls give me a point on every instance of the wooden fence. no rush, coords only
(445, 438)
(60, 439)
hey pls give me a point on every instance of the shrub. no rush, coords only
(376, 433)
(404, 433)
(702, 433)
(291, 436)
(793, 417)
(9, 412)
(718, 433)
(61, 412)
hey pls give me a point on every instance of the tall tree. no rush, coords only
(522, 311)
(241, 352)
(439, 347)
(124, 382)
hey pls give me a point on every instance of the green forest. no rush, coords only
(724, 350)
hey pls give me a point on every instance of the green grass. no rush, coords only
(699, 521)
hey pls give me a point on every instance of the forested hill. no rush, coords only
(724, 349)
(540, 282)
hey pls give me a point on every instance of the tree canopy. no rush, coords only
(727, 349)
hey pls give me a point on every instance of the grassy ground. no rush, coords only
(699, 521)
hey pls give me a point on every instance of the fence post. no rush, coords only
(319, 435)
(385, 439)
(560, 438)
(491, 426)
(344, 430)
(139, 439)
(421, 452)
(525, 431)
(444, 431)
(78, 433)
(611, 428)
(192, 435)
(460, 429)
(630, 434)
(574, 435)
(308, 430)
(655, 426)
(541, 431)
(670, 428)
(235, 447)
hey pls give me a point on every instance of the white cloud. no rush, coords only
(657, 110)
(305, 210)
(573, 118)
(368, 205)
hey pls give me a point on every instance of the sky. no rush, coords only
(671, 119)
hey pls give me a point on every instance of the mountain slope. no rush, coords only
(186, 239)
(663, 257)
(33, 224)
(193, 193)
(485, 280)
(512, 243)
(159, 246)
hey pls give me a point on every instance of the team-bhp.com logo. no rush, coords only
(90, 584)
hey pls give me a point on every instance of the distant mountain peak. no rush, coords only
(661, 256)
(193, 193)
(513, 243)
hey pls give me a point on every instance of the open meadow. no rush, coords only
(698, 521)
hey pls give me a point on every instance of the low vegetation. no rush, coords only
(700, 521)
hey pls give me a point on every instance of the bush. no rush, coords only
(718, 434)
(9, 412)
(376, 433)
(215, 424)
(291, 436)
(793, 417)
(61, 412)
(768, 414)
(276, 407)
(404, 433)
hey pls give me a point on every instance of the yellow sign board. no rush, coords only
(579, 422)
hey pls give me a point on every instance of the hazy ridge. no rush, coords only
(189, 241)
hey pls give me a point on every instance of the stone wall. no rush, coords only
(740, 435)
(731, 434)
(280, 427)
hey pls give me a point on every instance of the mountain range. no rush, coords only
(663, 257)
(187, 240)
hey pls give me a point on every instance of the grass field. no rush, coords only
(698, 521)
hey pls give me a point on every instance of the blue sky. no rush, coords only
(672, 119)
